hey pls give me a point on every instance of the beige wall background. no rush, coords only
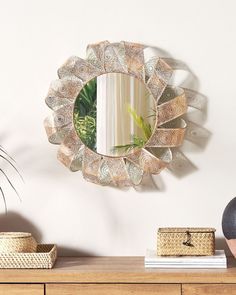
(59, 206)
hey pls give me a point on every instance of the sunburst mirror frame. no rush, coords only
(171, 104)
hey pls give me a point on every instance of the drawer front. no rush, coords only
(209, 289)
(21, 289)
(112, 289)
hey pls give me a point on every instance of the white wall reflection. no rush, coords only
(117, 93)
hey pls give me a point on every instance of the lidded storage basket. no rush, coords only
(186, 241)
(17, 242)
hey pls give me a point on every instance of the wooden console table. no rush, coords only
(115, 276)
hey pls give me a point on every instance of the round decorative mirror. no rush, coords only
(114, 114)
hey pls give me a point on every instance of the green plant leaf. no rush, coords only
(145, 127)
(137, 142)
(85, 113)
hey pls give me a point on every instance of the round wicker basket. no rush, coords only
(17, 242)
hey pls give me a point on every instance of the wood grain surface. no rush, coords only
(209, 289)
(116, 270)
(113, 289)
(21, 289)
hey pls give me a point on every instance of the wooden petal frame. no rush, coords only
(171, 103)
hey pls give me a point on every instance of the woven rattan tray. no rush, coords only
(44, 257)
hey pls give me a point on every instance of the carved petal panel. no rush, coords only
(95, 55)
(171, 109)
(167, 137)
(147, 162)
(70, 152)
(79, 68)
(118, 171)
(63, 92)
(91, 165)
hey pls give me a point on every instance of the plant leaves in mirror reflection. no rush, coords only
(85, 113)
(137, 141)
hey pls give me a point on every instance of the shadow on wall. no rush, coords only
(196, 137)
(221, 244)
(13, 221)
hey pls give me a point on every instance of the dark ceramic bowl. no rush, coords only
(229, 225)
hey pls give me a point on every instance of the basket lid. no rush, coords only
(186, 229)
(14, 235)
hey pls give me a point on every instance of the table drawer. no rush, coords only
(209, 289)
(113, 289)
(21, 289)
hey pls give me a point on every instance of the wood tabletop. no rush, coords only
(116, 269)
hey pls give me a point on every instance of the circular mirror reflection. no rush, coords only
(114, 114)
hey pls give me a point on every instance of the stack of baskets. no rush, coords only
(20, 250)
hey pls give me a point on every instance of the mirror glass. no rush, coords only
(114, 114)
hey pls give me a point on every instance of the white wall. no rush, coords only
(36, 37)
